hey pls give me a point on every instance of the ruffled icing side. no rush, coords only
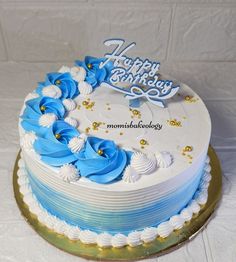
(105, 239)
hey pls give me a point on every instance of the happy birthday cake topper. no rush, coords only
(141, 76)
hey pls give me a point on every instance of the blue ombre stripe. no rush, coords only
(85, 216)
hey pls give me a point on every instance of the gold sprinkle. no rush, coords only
(95, 124)
(142, 147)
(107, 104)
(121, 133)
(136, 112)
(87, 130)
(90, 66)
(42, 108)
(57, 136)
(100, 152)
(78, 107)
(108, 108)
(85, 103)
(174, 122)
(58, 82)
(188, 149)
(188, 98)
(143, 142)
(106, 131)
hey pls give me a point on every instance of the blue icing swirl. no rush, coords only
(55, 151)
(64, 81)
(95, 75)
(104, 168)
(35, 108)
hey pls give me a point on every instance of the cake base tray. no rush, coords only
(158, 247)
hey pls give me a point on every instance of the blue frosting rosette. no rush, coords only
(52, 146)
(64, 81)
(37, 107)
(102, 161)
(95, 75)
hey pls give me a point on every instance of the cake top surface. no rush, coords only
(80, 124)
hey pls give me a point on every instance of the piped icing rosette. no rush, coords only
(62, 81)
(41, 113)
(95, 75)
(53, 147)
(101, 160)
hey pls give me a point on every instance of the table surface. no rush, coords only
(214, 82)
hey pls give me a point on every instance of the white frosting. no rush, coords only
(194, 207)
(130, 175)
(142, 163)
(104, 240)
(77, 143)
(69, 173)
(165, 229)
(186, 214)
(85, 88)
(27, 140)
(148, 234)
(52, 91)
(71, 121)
(64, 69)
(72, 232)
(78, 73)
(133, 239)
(118, 240)
(176, 222)
(69, 104)
(46, 120)
(31, 96)
(60, 226)
(88, 237)
(164, 159)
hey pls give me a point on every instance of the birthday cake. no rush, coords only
(111, 153)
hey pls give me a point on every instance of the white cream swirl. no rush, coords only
(31, 96)
(52, 91)
(47, 120)
(69, 173)
(64, 69)
(133, 239)
(164, 159)
(104, 240)
(130, 175)
(27, 140)
(176, 222)
(142, 163)
(69, 104)
(186, 214)
(85, 88)
(118, 240)
(77, 143)
(148, 234)
(78, 73)
(165, 229)
(72, 232)
(71, 121)
(88, 237)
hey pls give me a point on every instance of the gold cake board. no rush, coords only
(156, 248)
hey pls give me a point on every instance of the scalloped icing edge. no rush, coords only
(134, 238)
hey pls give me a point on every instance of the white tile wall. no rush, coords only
(204, 33)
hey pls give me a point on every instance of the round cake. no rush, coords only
(104, 171)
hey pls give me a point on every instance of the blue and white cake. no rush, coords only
(107, 170)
